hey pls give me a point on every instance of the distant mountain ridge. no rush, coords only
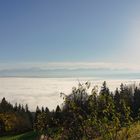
(50, 73)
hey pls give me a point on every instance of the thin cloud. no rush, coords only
(69, 66)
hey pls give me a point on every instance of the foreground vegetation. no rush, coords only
(133, 132)
(86, 114)
(14, 119)
(26, 136)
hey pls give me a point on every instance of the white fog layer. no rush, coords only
(46, 91)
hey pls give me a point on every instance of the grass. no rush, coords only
(26, 136)
(133, 133)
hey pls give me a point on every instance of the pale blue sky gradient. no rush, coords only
(69, 31)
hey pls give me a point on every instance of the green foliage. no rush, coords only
(98, 114)
(86, 114)
(14, 119)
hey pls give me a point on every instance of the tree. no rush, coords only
(5, 106)
(26, 108)
(47, 110)
(15, 107)
(104, 89)
(136, 103)
(42, 109)
(38, 111)
(2, 127)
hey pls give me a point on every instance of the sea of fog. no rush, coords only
(46, 91)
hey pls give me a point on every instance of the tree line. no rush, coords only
(14, 119)
(86, 113)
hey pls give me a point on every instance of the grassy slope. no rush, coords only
(133, 133)
(25, 136)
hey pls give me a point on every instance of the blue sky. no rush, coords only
(75, 31)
